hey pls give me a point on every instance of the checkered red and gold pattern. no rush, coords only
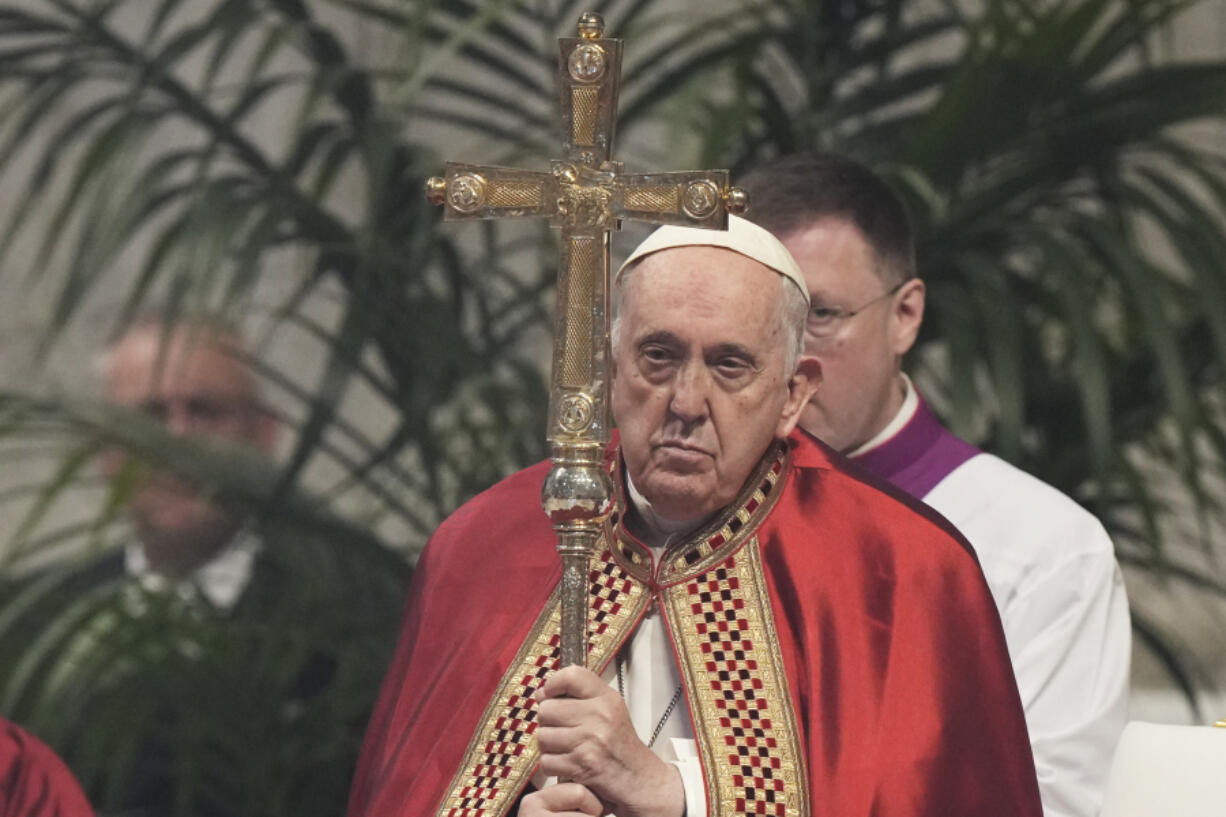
(503, 753)
(744, 721)
(713, 543)
(719, 612)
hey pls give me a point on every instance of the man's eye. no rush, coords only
(656, 354)
(204, 410)
(732, 367)
(823, 314)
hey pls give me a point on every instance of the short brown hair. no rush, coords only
(788, 194)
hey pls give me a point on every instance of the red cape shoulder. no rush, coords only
(36, 781)
(864, 493)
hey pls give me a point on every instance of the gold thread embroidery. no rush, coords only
(711, 544)
(743, 719)
(763, 775)
(502, 752)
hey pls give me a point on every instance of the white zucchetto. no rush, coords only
(742, 237)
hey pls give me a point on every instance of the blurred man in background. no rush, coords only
(225, 660)
(193, 378)
(1049, 563)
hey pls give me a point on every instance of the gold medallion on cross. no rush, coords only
(586, 195)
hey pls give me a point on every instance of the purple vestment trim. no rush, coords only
(920, 455)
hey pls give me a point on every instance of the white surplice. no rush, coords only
(1052, 571)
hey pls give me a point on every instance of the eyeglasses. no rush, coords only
(825, 321)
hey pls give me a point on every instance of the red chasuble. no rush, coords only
(33, 781)
(840, 652)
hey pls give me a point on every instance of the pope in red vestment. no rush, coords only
(896, 667)
(837, 645)
(33, 781)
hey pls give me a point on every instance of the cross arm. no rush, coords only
(470, 192)
(693, 198)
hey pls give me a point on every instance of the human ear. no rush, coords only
(906, 316)
(801, 387)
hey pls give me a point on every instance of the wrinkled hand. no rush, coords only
(586, 737)
(562, 800)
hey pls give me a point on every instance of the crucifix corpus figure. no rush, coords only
(765, 633)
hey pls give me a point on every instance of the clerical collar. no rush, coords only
(910, 404)
(918, 454)
(659, 531)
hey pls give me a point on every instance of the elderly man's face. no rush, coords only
(197, 386)
(699, 387)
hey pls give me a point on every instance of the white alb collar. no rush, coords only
(221, 579)
(910, 404)
(661, 531)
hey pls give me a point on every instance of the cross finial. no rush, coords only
(591, 26)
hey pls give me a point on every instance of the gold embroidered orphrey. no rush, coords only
(586, 195)
(712, 592)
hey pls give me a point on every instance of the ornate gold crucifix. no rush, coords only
(586, 196)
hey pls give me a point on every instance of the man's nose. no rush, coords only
(690, 393)
(178, 420)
